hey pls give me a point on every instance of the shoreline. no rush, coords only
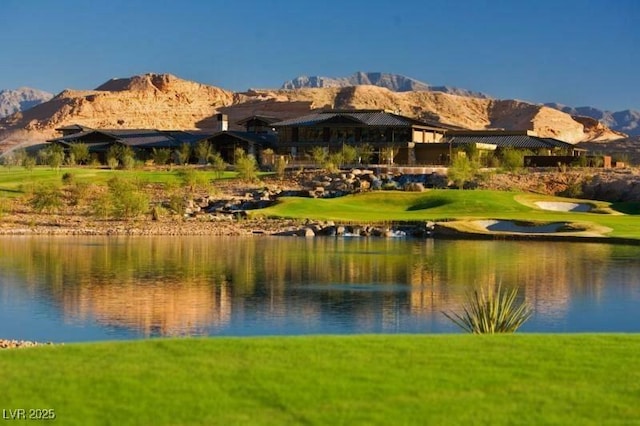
(178, 227)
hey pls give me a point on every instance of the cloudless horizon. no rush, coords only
(574, 52)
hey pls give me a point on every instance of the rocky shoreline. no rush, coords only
(13, 344)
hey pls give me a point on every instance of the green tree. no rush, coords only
(218, 164)
(203, 151)
(127, 200)
(192, 179)
(462, 170)
(183, 153)
(349, 154)
(29, 162)
(161, 156)
(512, 159)
(334, 161)
(246, 165)
(54, 155)
(364, 153)
(79, 153)
(319, 155)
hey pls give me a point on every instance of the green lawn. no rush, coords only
(332, 380)
(12, 179)
(446, 204)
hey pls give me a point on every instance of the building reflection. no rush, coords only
(161, 286)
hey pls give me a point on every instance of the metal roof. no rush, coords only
(260, 138)
(148, 138)
(376, 118)
(513, 141)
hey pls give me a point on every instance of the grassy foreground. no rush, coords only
(406, 379)
(445, 204)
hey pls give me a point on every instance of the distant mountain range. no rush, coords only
(627, 121)
(12, 101)
(393, 82)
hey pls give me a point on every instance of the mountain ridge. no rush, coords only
(625, 121)
(393, 82)
(164, 101)
(20, 99)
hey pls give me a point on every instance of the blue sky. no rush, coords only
(568, 51)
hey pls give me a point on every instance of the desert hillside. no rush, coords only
(163, 101)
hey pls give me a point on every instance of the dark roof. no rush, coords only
(264, 118)
(378, 118)
(73, 127)
(147, 138)
(259, 138)
(514, 141)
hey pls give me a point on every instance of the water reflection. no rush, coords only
(163, 286)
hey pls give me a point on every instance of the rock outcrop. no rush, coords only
(163, 101)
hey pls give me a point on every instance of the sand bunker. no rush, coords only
(563, 206)
(510, 226)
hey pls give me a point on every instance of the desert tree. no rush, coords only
(218, 164)
(349, 154)
(183, 153)
(160, 156)
(78, 153)
(246, 165)
(364, 153)
(203, 151)
(319, 155)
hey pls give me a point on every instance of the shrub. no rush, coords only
(218, 164)
(161, 156)
(349, 154)
(512, 159)
(203, 151)
(183, 153)
(192, 179)
(47, 197)
(280, 166)
(126, 200)
(319, 155)
(128, 162)
(79, 192)
(29, 162)
(4, 206)
(246, 165)
(112, 162)
(364, 153)
(67, 178)
(462, 170)
(493, 311)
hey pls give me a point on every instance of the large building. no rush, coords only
(394, 138)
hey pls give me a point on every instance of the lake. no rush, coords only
(70, 289)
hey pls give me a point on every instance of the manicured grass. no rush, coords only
(439, 205)
(406, 379)
(12, 179)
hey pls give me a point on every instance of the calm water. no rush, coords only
(78, 289)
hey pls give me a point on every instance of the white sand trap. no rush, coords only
(557, 206)
(510, 226)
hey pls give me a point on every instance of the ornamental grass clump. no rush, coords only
(490, 311)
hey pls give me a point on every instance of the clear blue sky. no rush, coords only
(568, 51)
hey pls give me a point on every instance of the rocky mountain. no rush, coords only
(164, 101)
(626, 121)
(393, 82)
(23, 98)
